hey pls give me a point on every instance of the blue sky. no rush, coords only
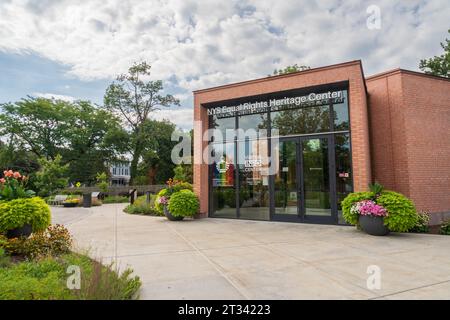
(30, 74)
(73, 50)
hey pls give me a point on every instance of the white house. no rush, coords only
(120, 174)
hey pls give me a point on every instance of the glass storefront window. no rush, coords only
(257, 123)
(253, 180)
(286, 184)
(222, 124)
(344, 179)
(301, 121)
(223, 202)
(340, 118)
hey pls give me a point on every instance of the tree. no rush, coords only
(52, 176)
(438, 65)
(290, 69)
(134, 98)
(84, 135)
(14, 157)
(157, 149)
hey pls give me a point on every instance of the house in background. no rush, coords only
(119, 174)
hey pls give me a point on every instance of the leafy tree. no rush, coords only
(13, 156)
(290, 69)
(438, 65)
(183, 172)
(52, 176)
(157, 164)
(84, 135)
(134, 98)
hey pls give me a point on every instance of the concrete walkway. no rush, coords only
(230, 259)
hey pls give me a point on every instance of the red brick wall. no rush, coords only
(410, 135)
(351, 71)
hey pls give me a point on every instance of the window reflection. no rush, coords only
(340, 117)
(302, 121)
(253, 180)
(222, 124)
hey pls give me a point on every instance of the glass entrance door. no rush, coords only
(303, 186)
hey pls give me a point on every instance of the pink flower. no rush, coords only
(2, 180)
(370, 208)
(17, 175)
(163, 200)
(8, 173)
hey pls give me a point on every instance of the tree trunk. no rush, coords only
(136, 155)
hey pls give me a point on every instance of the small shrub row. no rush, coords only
(140, 206)
(54, 241)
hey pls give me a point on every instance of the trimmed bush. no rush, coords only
(422, 225)
(16, 213)
(183, 203)
(402, 215)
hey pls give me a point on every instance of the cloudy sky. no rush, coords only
(73, 49)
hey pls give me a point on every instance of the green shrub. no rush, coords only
(47, 279)
(183, 203)
(445, 227)
(140, 206)
(174, 186)
(16, 213)
(182, 186)
(4, 259)
(116, 199)
(54, 241)
(42, 280)
(402, 215)
(422, 225)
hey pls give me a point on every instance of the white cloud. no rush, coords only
(182, 117)
(54, 96)
(194, 44)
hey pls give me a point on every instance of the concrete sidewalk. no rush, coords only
(236, 259)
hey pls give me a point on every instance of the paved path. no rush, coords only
(230, 259)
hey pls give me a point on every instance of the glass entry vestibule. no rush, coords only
(311, 149)
(303, 184)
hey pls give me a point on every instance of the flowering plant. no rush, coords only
(163, 200)
(368, 208)
(13, 186)
(72, 200)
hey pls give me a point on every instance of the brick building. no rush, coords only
(309, 138)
